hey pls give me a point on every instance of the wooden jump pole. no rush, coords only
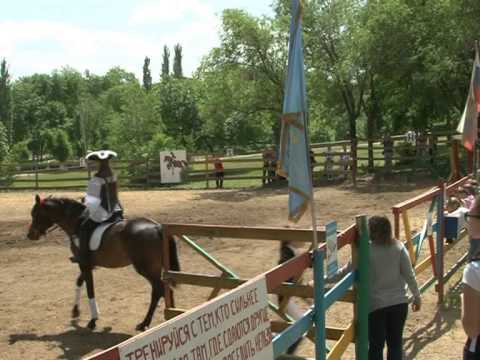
(226, 271)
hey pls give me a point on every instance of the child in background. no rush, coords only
(468, 195)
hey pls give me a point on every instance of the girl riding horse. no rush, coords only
(137, 241)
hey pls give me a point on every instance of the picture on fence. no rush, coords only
(172, 166)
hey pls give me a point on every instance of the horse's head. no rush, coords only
(41, 218)
(47, 212)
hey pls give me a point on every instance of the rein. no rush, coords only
(52, 229)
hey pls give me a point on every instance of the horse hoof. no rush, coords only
(91, 324)
(75, 312)
(141, 327)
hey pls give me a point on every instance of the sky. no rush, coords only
(38, 36)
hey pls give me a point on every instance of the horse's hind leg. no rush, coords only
(78, 290)
(158, 290)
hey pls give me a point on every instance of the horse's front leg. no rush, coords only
(87, 274)
(78, 290)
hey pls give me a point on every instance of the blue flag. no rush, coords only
(294, 158)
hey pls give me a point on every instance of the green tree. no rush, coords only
(244, 78)
(20, 152)
(5, 99)
(135, 124)
(147, 75)
(177, 62)
(118, 76)
(62, 149)
(165, 63)
(175, 101)
(3, 142)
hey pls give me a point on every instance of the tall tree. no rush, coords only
(147, 75)
(5, 99)
(176, 102)
(3, 142)
(177, 62)
(166, 62)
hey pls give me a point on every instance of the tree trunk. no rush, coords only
(353, 147)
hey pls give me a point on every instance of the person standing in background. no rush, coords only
(390, 273)
(219, 172)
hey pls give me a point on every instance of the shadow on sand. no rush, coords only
(441, 324)
(77, 342)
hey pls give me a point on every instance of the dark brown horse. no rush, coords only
(136, 241)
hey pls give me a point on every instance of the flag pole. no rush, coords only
(314, 219)
(312, 199)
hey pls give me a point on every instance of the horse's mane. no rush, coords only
(71, 206)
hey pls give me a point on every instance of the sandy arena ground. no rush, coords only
(37, 280)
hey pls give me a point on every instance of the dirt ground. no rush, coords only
(37, 280)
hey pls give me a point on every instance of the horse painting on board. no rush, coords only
(136, 241)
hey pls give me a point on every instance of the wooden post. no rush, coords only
(147, 170)
(371, 164)
(470, 162)
(440, 235)
(206, 172)
(36, 171)
(353, 152)
(408, 236)
(396, 219)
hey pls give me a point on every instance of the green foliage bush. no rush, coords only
(406, 152)
(20, 152)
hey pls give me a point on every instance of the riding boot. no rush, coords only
(84, 234)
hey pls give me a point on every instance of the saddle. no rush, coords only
(97, 235)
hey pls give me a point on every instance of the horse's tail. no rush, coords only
(173, 251)
(174, 260)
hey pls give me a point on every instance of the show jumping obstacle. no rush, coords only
(352, 288)
(438, 248)
(288, 332)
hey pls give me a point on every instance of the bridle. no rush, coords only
(46, 231)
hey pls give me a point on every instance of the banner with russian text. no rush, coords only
(232, 326)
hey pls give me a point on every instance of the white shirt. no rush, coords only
(93, 201)
(471, 275)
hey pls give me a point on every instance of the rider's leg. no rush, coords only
(86, 230)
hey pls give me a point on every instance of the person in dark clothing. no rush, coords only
(219, 172)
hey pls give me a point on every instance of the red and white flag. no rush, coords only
(468, 125)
